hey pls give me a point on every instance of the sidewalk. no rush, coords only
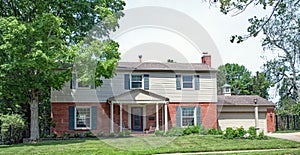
(227, 152)
(288, 136)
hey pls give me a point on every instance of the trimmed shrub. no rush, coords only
(112, 134)
(187, 131)
(159, 133)
(252, 132)
(214, 131)
(175, 131)
(12, 128)
(240, 132)
(76, 134)
(229, 133)
(195, 129)
(100, 134)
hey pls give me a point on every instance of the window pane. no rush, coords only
(187, 81)
(136, 77)
(188, 111)
(187, 121)
(187, 78)
(187, 85)
(83, 116)
(136, 85)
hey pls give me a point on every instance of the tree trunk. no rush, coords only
(34, 121)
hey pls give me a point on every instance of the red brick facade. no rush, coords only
(270, 120)
(208, 113)
(60, 115)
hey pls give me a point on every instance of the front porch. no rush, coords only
(138, 110)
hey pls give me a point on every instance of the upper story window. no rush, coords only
(75, 83)
(187, 81)
(136, 81)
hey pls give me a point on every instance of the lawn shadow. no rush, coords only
(50, 142)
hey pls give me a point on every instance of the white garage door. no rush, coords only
(245, 120)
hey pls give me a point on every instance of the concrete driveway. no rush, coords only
(289, 136)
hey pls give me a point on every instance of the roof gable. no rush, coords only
(138, 95)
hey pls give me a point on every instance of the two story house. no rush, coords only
(141, 95)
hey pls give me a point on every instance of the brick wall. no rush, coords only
(208, 113)
(270, 120)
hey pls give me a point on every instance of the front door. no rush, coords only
(137, 118)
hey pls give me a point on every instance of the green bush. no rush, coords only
(262, 136)
(240, 132)
(214, 131)
(229, 133)
(12, 128)
(175, 131)
(195, 129)
(187, 131)
(127, 133)
(203, 131)
(159, 133)
(66, 136)
(252, 132)
(112, 134)
(76, 134)
(88, 134)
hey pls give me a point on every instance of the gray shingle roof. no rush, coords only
(243, 100)
(164, 66)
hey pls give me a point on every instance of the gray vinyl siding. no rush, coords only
(162, 83)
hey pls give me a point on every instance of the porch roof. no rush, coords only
(138, 96)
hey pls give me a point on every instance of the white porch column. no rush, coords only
(166, 117)
(111, 117)
(157, 121)
(121, 118)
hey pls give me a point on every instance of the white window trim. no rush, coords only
(194, 116)
(193, 82)
(75, 113)
(131, 81)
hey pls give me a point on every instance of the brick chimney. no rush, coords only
(206, 59)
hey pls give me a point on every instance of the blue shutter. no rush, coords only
(146, 81)
(198, 115)
(178, 82)
(178, 116)
(73, 81)
(71, 117)
(126, 81)
(94, 118)
(197, 82)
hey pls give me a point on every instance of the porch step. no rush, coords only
(135, 133)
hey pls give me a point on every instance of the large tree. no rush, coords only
(241, 80)
(37, 38)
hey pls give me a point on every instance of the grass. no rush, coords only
(148, 145)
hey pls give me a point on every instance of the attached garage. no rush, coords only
(239, 111)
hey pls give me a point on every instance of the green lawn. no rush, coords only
(147, 145)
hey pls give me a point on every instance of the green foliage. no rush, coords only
(252, 132)
(88, 134)
(241, 80)
(66, 135)
(112, 134)
(175, 131)
(12, 128)
(229, 133)
(187, 131)
(214, 131)
(40, 38)
(100, 134)
(76, 135)
(159, 133)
